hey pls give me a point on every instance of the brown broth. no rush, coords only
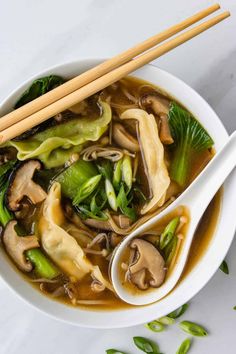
(206, 228)
(204, 233)
(202, 240)
(159, 227)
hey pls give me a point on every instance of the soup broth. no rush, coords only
(73, 187)
(153, 235)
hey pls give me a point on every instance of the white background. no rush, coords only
(36, 34)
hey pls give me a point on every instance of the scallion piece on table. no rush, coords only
(184, 346)
(193, 328)
(179, 311)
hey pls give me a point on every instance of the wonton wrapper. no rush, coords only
(55, 145)
(61, 247)
(153, 152)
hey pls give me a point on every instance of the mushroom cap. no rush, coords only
(16, 246)
(147, 269)
(97, 286)
(160, 106)
(22, 185)
(124, 139)
(156, 101)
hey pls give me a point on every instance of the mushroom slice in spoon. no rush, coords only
(154, 100)
(147, 268)
(16, 246)
(97, 286)
(22, 185)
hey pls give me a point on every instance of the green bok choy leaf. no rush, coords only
(189, 136)
(38, 88)
(74, 176)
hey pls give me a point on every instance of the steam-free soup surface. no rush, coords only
(75, 186)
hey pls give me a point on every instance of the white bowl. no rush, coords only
(203, 271)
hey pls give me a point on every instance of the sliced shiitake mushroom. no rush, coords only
(160, 106)
(22, 185)
(17, 245)
(124, 139)
(97, 286)
(147, 268)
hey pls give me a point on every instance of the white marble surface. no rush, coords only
(36, 34)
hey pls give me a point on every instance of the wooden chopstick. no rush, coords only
(100, 70)
(106, 80)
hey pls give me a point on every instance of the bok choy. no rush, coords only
(74, 176)
(38, 88)
(189, 136)
(5, 215)
(123, 203)
(86, 189)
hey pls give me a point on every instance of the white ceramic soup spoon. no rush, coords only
(196, 198)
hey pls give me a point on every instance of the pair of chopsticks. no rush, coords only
(103, 75)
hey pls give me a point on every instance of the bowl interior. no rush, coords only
(202, 272)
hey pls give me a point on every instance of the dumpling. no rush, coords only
(54, 145)
(153, 151)
(61, 247)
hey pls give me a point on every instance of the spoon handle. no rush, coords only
(203, 189)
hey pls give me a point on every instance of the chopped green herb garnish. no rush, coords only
(86, 189)
(224, 267)
(127, 174)
(111, 195)
(117, 175)
(178, 312)
(169, 232)
(166, 320)
(146, 345)
(123, 204)
(86, 213)
(184, 347)
(155, 326)
(105, 168)
(193, 329)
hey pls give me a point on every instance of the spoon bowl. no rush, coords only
(196, 198)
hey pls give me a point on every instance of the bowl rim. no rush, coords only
(133, 316)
